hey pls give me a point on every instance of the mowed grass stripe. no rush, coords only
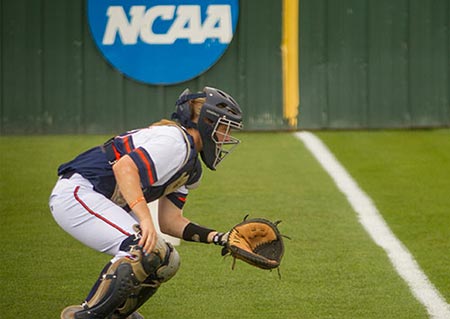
(407, 174)
(331, 268)
(377, 228)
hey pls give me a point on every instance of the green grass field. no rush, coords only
(331, 268)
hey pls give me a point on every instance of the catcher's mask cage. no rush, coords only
(219, 115)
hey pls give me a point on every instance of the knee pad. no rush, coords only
(159, 270)
(158, 267)
(170, 264)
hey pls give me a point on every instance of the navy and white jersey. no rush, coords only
(165, 155)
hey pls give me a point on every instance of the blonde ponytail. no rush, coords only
(196, 107)
(165, 122)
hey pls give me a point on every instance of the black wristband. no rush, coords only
(197, 233)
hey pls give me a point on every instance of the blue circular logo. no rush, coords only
(165, 41)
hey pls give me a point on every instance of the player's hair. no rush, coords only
(195, 105)
(164, 122)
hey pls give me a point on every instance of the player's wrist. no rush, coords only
(140, 199)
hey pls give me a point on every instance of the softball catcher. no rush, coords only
(101, 199)
(102, 194)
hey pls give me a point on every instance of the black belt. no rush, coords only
(108, 149)
(67, 175)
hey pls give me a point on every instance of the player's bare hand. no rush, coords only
(148, 235)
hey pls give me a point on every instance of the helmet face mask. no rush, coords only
(219, 115)
(225, 142)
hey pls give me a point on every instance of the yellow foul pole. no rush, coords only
(289, 49)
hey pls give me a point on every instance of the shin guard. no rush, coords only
(130, 282)
(165, 268)
(116, 285)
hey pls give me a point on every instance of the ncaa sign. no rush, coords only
(162, 41)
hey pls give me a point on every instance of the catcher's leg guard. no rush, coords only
(130, 282)
(116, 286)
(170, 262)
(133, 302)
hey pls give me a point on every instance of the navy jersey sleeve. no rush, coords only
(146, 166)
(178, 199)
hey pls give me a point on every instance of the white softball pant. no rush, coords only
(90, 217)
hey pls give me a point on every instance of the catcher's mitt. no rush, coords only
(256, 241)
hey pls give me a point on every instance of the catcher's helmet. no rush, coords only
(219, 114)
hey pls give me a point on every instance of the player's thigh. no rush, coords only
(90, 217)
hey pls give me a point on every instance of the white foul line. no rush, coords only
(376, 227)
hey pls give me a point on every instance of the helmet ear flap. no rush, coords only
(182, 109)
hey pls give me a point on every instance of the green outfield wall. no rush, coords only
(362, 64)
(374, 64)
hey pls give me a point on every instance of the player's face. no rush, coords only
(225, 142)
(223, 133)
